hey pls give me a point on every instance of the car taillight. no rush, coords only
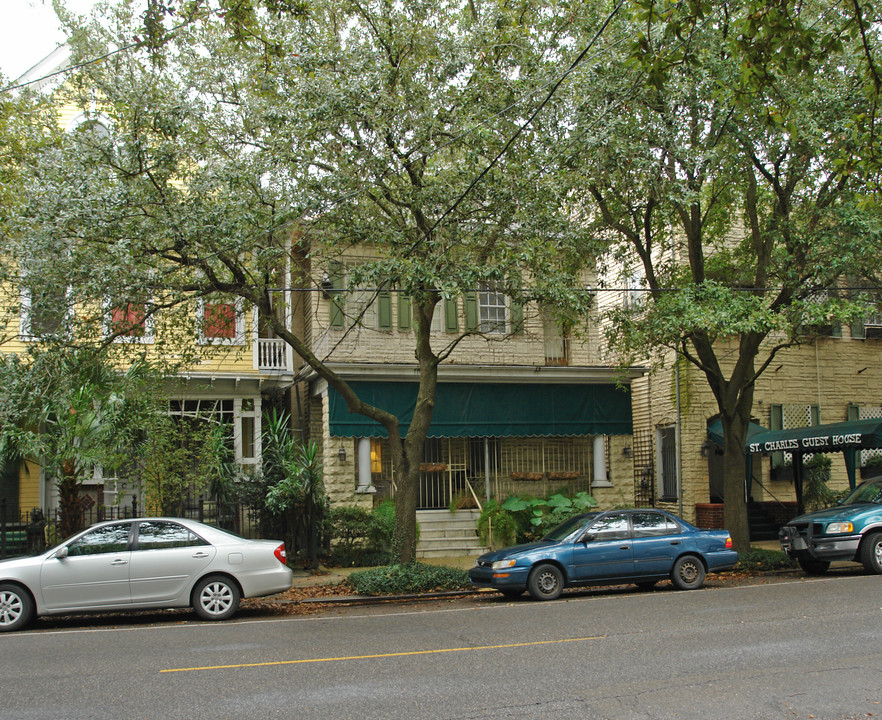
(281, 555)
(728, 543)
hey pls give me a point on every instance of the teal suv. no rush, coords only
(851, 530)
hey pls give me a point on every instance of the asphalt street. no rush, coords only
(807, 649)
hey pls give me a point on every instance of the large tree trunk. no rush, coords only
(734, 487)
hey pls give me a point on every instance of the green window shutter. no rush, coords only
(384, 309)
(337, 297)
(516, 308)
(405, 312)
(853, 412)
(816, 414)
(471, 311)
(451, 315)
(836, 330)
(776, 422)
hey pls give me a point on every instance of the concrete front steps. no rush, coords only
(445, 534)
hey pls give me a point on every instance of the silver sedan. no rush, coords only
(140, 564)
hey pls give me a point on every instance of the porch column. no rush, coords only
(364, 466)
(600, 476)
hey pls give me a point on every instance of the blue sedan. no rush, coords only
(642, 546)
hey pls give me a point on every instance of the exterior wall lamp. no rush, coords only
(341, 453)
(626, 451)
(327, 284)
(706, 449)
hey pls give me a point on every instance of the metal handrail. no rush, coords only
(760, 483)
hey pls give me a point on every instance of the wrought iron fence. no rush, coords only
(29, 532)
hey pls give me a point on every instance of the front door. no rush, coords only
(95, 572)
(607, 553)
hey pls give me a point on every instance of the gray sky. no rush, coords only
(29, 32)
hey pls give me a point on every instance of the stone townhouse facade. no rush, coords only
(521, 408)
(828, 379)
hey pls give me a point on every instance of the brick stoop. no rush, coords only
(445, 534)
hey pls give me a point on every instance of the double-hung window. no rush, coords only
(221, 322)
(492, 310)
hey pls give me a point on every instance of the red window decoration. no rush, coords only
(219, 321)
(128, 320)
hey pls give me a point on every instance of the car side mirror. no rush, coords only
(61, 553)
(588, 537)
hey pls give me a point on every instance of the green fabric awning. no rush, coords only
(835, 437)
(491, 409)
(715, 431)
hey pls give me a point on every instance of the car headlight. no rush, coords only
(502, 564)
(840, 527)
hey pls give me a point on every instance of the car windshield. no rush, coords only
(574, 524)
(869, 492)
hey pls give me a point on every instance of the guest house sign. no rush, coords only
(829, 442)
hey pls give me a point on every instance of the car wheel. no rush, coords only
(512, 593)
(16, 607)
(546, 582)
(811, 566)
(215, 598)
(688, 573)
(646, 584)
(871, 553)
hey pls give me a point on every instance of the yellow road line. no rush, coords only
(383, 655)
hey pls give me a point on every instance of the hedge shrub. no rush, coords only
(407, 579)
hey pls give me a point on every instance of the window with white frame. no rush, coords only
(666, 444)
(241, 415)
(634, 287)
(438, 318)
(492, 310)
(128, 322)
(874, 320)
(221, 321)
(45, 309)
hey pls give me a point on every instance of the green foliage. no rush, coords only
(349, 528)
(411, 578)
(66, 408)
(183, 457)
(874, 461)
(496, 527)
(382, 526)
(360, 537)
(521, 519)
(537, 516)
(761, 560)
(816, 493)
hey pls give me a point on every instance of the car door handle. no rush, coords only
(624, 547)
(200, 555)
(675, 542)
(120, 561)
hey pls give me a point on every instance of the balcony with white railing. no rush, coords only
(272, 355)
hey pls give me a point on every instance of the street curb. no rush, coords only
(367, 599)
